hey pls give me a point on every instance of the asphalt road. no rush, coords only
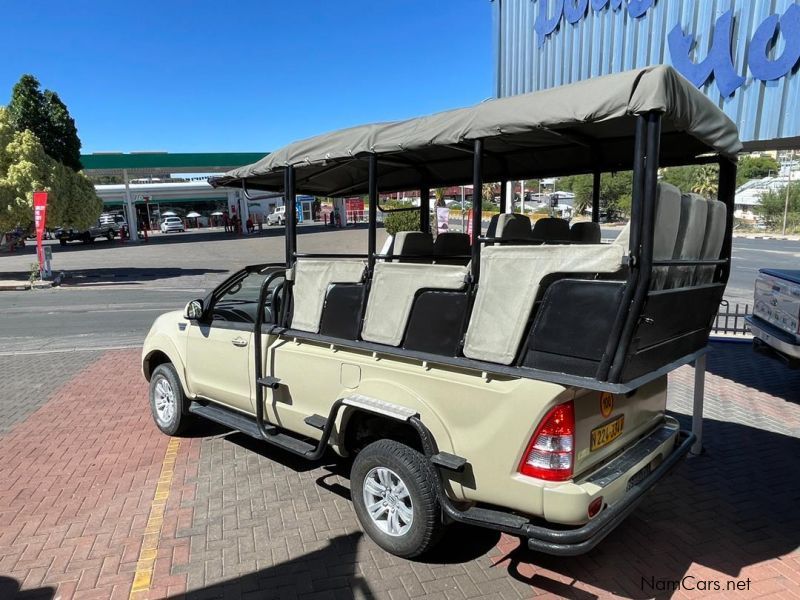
(118, 290)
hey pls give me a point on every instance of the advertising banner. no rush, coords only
(442, 219)
(39, 219)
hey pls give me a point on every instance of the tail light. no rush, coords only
(550, 453)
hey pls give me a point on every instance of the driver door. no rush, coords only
(220, 357)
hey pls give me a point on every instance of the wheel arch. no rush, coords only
(164, 352)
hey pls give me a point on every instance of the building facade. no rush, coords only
(743, 54)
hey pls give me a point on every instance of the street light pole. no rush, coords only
(788, 185)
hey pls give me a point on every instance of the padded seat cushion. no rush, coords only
(391, 296)
(551, 230)
(667, 222)
(312, 278)
(513, 226)
(510, 278)
(413, 243)
(585, 233)
(712, 241)
(451, 244)
(689, 244)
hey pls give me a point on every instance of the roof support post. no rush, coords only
(291, 215)
(647, 231)
(726, 192)
(637, 195)
(130, 210)
(503, 195)
(596, 196)
(373, 209)
(425, 208)
(477, 188)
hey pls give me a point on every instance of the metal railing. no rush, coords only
(730, 319)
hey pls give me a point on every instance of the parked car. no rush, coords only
(466, 376)
(103, 228)
(171, 224)
(775, 322)
(277, 217)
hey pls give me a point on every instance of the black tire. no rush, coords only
(420, 480)
(62, 241)
(110, 235)
(177, 421)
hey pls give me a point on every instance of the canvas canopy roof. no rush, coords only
(570, 129)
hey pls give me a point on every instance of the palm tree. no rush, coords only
(706, 182)
(439, 195)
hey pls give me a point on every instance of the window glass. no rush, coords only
(239, 303)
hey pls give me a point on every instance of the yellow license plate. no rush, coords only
(605, 434)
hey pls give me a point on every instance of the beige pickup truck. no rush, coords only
(515, 379)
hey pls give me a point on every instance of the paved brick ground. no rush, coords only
(246, 521)
(29, 379)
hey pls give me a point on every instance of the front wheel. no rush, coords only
(110, 235)
(394, 494)
(167, 400)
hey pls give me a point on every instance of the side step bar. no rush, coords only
(248, 426)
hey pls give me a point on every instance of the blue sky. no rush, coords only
(245, 75)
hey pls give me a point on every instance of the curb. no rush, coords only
(13, 286)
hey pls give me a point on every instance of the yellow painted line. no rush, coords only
(143, 577)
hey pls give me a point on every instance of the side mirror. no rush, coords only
(193, 310)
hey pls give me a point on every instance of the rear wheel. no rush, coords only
(110, 234)
(167, 400)
(394, 494)
(62, 241)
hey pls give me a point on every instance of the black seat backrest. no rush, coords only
(410, 244)
(585, 233)
(451, 248)
(551, 230)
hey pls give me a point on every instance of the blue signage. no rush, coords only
(719, 62)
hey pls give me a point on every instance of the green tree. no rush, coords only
(65, 145)
(706, 181)
(438, 193)
(47, 117)
(684, 178)
(614, 187)
(755, 167)
(25, 168)
(773, 204)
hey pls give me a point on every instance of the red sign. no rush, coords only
(39, 218)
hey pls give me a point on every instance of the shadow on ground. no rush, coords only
(738, 362)
(729, 509)
(10, 590)
(129, 275)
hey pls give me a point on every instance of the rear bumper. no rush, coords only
(560, 540)
(572, 542)
(779, 340)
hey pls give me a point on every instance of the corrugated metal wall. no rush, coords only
(609, 41)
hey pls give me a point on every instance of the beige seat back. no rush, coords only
(509, 283)
(712, 241)
(665, 234)
(312, 278)
(391, 296)
(689, 243)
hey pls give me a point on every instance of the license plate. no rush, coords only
(605, 434)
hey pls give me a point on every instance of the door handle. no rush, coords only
(237, 341)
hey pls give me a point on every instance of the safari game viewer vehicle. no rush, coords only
(516, 381)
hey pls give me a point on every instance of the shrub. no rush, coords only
(401, 221)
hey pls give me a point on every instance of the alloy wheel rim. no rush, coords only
(165, 404)
(388, 501)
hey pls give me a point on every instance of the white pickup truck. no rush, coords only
(776, 314)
